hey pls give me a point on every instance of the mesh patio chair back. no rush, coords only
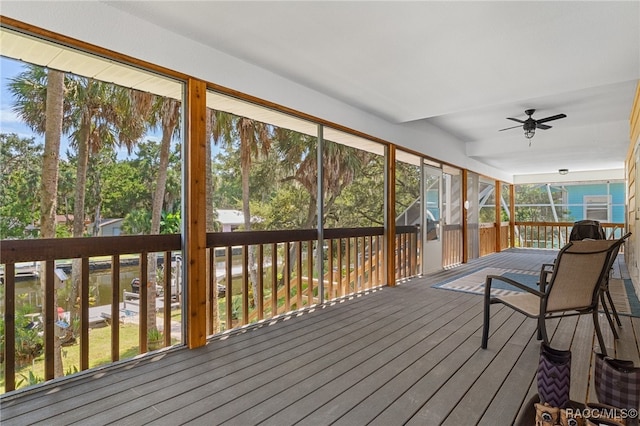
(577, 274)
(583, 229)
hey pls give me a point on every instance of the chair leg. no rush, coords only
(487, 313)
(596, 325)
(542, 330)
(613, 307)
(608, 315)
(485, 327)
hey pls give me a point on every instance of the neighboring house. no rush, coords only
(230, 219)
(604, 201)
(110, 227)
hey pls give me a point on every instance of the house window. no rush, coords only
(597, 207)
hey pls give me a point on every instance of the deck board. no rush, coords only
(403, 355)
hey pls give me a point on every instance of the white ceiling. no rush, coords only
(462, 66)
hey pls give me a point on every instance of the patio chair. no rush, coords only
(605, 294)
(591, 229)
(573, 287)
(584, 229)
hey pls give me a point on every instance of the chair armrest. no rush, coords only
(490, 278)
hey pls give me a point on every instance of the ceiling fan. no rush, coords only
(530, 124)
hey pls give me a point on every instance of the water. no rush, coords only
(29, 292)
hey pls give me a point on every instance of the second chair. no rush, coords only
(573, 288)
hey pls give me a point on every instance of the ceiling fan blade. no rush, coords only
(515, 119)
(542, 126)
(508, 128)
(553, 117)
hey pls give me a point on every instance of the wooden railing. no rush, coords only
(82, 250)
(452, 247)
(554, 235)
(487, 238)
(286, 269)
(287, 278)
(545, 235)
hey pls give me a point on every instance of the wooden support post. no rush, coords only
(465, 220)
(196, 231)
(512, 215)
(498, 198)
(390, 215)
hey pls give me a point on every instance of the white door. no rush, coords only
(431, 219)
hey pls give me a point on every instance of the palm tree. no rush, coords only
(101, 116)
(165, 114)
(340, 165)
(211, 120)
(30, 89)
(255, 140)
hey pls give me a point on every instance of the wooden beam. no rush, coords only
(498, 218)
(512, 215)
(465, 229)
(390, 213)
(196, 231)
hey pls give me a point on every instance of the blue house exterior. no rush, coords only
(599, 201)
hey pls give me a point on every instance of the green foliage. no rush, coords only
(170, 223)
(28, 341)
(73, 369)
(137, 222)
(20, 170)
(29, 380)
(154, 335)
(123, 190)
(532, 204)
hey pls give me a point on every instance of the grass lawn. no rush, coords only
(99, 353)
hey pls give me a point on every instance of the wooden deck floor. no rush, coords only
(404, 355)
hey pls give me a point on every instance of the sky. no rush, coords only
(11, 123)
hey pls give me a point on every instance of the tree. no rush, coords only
(29, 90)
(164, 114)
(20, 168)
(254, 139)
(49, 186)
(341, 165)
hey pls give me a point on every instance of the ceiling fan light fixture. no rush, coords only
(529, 133)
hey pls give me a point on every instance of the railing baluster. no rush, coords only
(274, 279)
(212, 290)
(144, 300)
(168, 296)
(370, 254)
(84, 315)
(299, 303)
(259, 298)
(356, 263)
(340, 278)
(287, 277)
(310, 273)
(245, 284)
(115, 308)
(348, 250)
(10, 326)
(229, 291)
(330, 288)
(50, 314)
